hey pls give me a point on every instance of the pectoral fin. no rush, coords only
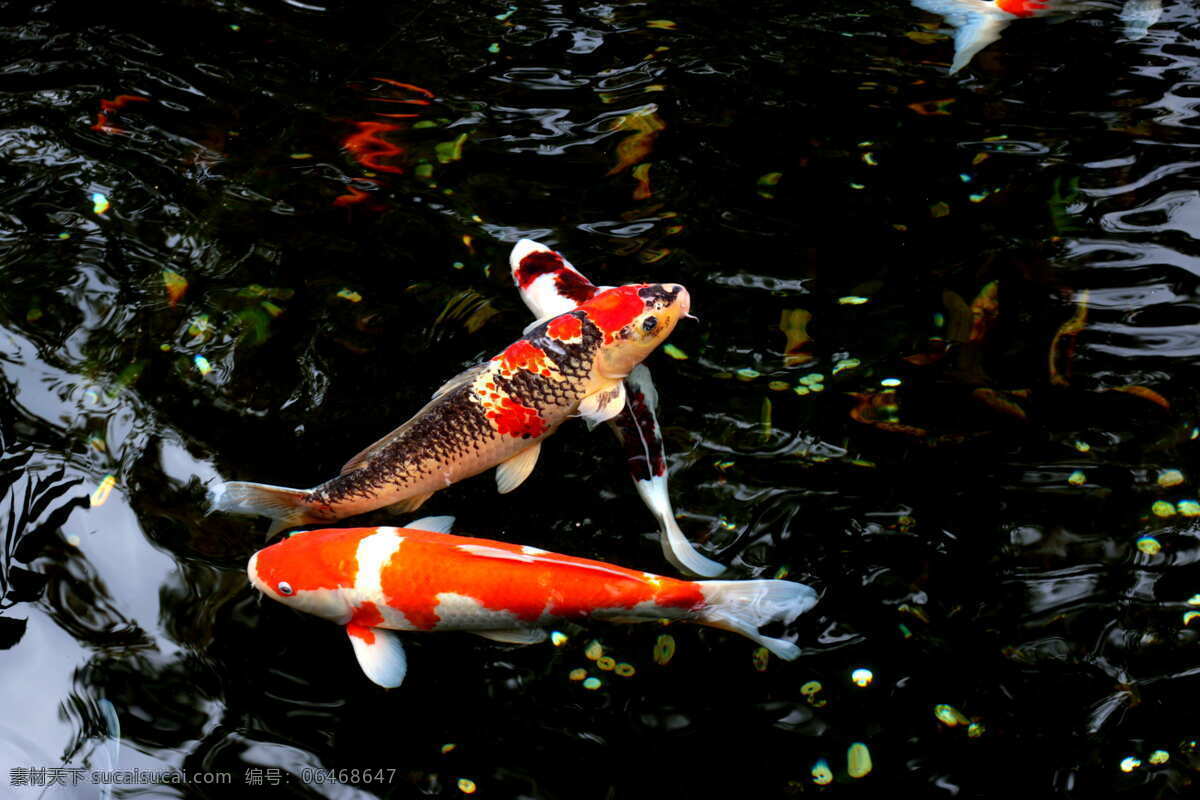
(380, 654)
(432, 524)
(515, 636)
(512, 473)
(603, 405)
(409, 504)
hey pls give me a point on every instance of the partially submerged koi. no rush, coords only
(978, 23)
(494, 414)
(549, 285)
(374, 581)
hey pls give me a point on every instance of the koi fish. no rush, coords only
(494, 414)
(374, 581)
(1139, 17)
(549, 285)
(978, 23)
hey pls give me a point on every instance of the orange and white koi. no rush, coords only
(978, 23)
(374, 581)
(549, 284)
(494, 414)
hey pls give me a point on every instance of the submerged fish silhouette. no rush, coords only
(978, 23)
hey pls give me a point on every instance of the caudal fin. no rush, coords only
(675, 546)
(745, 606)
(286, 507)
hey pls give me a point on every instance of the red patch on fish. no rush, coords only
(614, 309)
(361, 632)
(367, 615)
(428, 564)
(329, 560)
(1022, 8)
(535, 264)
(514, 419)
(522, 354)
(565, 328)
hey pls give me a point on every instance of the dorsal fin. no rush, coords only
(486, 551)
(541, 321)
(432, 524)
(466, 376)
(364, 456)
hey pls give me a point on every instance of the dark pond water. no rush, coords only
(945, 372)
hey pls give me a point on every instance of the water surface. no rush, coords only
(945, 373)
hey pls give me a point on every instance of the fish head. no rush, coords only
(634, 320)
(311, 571)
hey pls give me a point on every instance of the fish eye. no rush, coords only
(285, 588)
(649, 323)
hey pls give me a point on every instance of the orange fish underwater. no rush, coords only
(494, 414)
(375, 581)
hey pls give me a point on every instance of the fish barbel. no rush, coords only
(374, 581)
(494, 414)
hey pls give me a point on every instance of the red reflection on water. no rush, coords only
(354, 195)
(410, 101)
(409, 86)
(108, 106)
(369, 145)
(351, 197)
(370, 149)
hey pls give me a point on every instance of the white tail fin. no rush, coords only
(676, 547)
(744, 606)
(976, 25)
(287, 507)
(682, 554)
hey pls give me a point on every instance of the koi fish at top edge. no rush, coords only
(494, 414)
(549, 284)
(420, 578)
(978, 23)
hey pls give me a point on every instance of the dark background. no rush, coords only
(984, 534)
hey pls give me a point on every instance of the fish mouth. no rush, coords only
(682, 298)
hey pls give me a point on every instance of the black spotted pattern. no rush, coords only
(656, 297)
(454, 428)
